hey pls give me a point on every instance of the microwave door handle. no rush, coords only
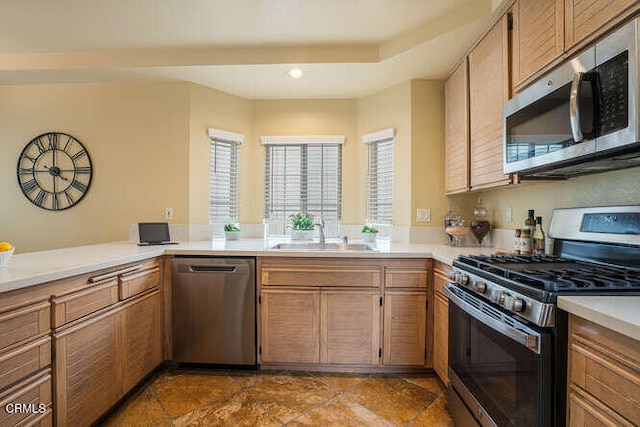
(574, 107)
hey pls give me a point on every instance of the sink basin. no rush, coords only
(314, 246)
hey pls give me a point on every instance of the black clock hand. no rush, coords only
(55, 172)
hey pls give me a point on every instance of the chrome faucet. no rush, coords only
(345, 240)
(321, 231)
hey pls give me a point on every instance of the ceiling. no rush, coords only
(347, 48)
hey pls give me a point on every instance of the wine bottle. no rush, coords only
(538, 237)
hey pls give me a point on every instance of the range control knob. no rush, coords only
(452, 275)
(480, 287)
(463, 279)
(498, 297)
(514, 304)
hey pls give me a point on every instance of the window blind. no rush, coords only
(380, 180)
(224, 185)
(303, 178)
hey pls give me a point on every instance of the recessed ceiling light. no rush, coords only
(295, 73)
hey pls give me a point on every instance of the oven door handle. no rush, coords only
(527, 339)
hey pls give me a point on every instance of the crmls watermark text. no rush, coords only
(25, 408)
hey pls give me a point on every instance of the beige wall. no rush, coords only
(210, 108)
(136, 135)
(309, 117)
(385, 109)
(427, 151)
(611, 188)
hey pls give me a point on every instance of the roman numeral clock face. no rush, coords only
(54, 171)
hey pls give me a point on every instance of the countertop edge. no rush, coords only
(615, 313)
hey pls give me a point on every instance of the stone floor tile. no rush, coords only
(142, 409)
(436, 415)
(249, 378)
(340, 381)
(286, 396)
(342, 412)
(183, 393)
(429, 381)
(394, 399)
(238, 409)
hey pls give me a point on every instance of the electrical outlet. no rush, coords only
(423, 215)
(168, 214)
(508, 217)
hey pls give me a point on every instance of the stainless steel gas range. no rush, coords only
(508, 340)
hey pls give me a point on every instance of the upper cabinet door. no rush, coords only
(488, 90)
(456, 116)
(538, 36)
(583, 18)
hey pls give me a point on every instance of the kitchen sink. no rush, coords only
(334, 247)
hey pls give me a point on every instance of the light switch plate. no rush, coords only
(508, 217)
(168, 214)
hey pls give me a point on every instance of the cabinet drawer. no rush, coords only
(134, 283)
(399, 277)
(67, 308)
(321, 276)
(24, 323)
(38, 420)
(33, 392)
(23, 361)
(606, 365)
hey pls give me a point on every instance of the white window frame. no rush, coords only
(219, 199)
(379, 198)
(304, 142)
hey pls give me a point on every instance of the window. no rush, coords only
(303, 174)
(224, 179)
(380, 176)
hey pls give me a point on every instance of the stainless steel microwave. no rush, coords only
(580, 118)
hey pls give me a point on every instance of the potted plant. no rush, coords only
(369, 234)
(231, 232)
(302, 226)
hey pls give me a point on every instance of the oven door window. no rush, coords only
(506, 378)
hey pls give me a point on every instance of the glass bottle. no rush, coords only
(517, 243)
(538, 237)
(530, 222)
(525, 242)
(480, 226)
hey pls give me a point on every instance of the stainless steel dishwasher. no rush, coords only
(214, 310)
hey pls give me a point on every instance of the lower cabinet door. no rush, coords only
(350, 327)
(87, 370)
(290, 321)
(142, 338)
(405, 328)
(441, 336)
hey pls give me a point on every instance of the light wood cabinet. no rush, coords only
(290, 325)
(585, 18)
(350, 327)
(440, 322)
(311, 312)
(88, 369)
(537, 36)
(405, 328)
(74, 305)
(35, 392)
(142, 338)
(604, 376)
(488, 90)
(456, 130)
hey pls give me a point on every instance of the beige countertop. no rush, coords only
(618, 313)
(34, 268)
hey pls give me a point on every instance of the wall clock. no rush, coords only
(54, 171)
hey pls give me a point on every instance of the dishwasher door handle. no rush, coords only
(212, 268)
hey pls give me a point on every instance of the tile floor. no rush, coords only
(205, 398)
